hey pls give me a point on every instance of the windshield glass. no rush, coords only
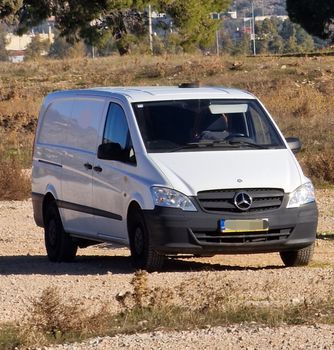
(171, 126)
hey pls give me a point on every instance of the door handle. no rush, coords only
(98, 169)
(88, 166)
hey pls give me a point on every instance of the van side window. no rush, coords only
(116, 130)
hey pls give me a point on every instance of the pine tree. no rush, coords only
(276, 45)
(94, 20)
(304, 40)
(291, 45)
(193, 20)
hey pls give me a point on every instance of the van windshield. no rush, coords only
(181, 125)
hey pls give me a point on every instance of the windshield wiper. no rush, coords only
(246, 143)
(218, 143)
(202, 144)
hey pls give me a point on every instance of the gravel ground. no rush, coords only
(218, 338)
(99, 273)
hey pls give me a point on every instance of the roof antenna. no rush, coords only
(194, 84)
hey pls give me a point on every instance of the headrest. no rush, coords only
(218, 125)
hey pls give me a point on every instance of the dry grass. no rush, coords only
(14, 183)
(145, 308)
(52, 320)
(296, 90)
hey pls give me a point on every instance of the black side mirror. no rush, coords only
(294, 144)
(112, 151)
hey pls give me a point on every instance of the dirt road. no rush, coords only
(99, 273)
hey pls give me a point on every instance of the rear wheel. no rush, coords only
(142, 254)
(59, 245)
(299, 257)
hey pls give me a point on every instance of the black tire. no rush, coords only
(59, 245)
(300, 257)
(143, 256)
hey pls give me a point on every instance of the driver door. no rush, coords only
(110, 180)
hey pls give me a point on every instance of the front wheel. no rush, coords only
(59, 245)
(299, 257)
(142, 253)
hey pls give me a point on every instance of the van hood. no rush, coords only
(191, 172)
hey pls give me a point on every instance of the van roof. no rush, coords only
(154, 93)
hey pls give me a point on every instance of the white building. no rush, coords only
(16, 45)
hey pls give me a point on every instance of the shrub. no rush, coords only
(320, 166)
(53, 319)
(9, 337)
(14, 183)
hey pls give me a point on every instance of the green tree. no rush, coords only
(94, 20)
(193, 21)
(287, 30)
(37, 48)
(315, 16)
(173, 44)
(242, 46)
(276, 45)
(79, 19)
(304, 40)
(107, 46)
(61, 48)
(266, 33)
(296, 38)
(291, 45)
(227, 44)
(3, 42)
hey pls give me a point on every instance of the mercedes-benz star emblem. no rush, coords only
(243, 201)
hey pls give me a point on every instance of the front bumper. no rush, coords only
(173, 231)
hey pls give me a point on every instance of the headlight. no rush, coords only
(302, 195)
(166, 197)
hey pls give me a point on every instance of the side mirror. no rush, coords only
(294, 144)
(112, 151)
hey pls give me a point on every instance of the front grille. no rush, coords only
(216, 237)
(223, 200)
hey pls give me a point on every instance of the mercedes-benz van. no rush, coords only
(168, 171)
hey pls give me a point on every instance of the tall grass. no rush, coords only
(14, 182)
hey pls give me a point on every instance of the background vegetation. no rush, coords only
(273, 36)
(297, 91)
(97, 21)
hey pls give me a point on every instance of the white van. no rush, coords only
(168, 171)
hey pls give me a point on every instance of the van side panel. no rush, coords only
(47, 160)
(78, 161)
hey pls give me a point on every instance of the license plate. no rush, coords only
(235, 226)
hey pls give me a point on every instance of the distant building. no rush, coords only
(16, 45)
(221, 15)
(232, 14)
(158, 14)
(16, 56)
(262, 18)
